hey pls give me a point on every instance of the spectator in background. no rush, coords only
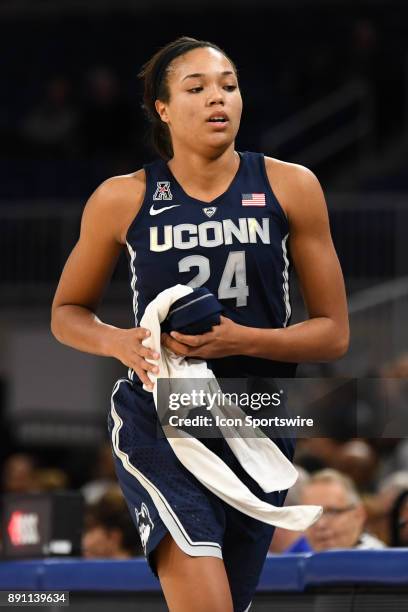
(342, 522)
(52, 479)
(107, 119)
(105, 476)
(394, 390)
(19, 474)
(315, 454)
(283, 539)
(380, 506)
(356, 458)
(109, 532)
(49, 128)
(364, 49)
(399, 520)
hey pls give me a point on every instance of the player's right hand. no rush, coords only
(128, 348)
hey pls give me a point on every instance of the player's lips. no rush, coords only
(218, 119)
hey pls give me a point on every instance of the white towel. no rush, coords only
(259, 456)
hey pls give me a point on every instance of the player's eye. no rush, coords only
(195, 89)
(230, 87)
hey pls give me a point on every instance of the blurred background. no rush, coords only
(324, 83)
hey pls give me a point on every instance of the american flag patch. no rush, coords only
(253, 199)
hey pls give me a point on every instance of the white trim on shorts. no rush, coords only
(166, 512)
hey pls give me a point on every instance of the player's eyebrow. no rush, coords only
(201, 74)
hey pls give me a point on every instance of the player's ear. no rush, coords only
(161, 109)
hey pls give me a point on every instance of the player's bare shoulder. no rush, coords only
(117, 201)
(291, 183)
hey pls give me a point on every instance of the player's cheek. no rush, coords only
(237, 110)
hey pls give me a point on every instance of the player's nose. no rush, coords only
(215, 96)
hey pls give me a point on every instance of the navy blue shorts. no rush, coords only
(164, 497)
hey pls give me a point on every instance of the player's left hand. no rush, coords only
(223, 340)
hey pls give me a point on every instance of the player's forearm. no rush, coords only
(316, 340)
(80, 328)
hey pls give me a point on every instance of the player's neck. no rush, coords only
(199, 174)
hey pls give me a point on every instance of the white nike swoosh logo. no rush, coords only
(157, 211)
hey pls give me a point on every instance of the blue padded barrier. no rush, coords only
(20, 574)
(385, 567)
(98, 575)
(283, 572)
(290, 573)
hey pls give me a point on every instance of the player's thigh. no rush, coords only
(191, 583)
(245, 546)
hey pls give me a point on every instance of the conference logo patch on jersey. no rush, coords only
(163, 191)
(210, 211)
(145, 524)
(253, 199)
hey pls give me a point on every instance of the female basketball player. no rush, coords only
(202, 214)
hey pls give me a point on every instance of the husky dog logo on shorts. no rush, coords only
(163, 191)
(145, 524)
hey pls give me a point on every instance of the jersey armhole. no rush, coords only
(272, 193)
(142, 207)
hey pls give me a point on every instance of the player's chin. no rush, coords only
(220, 139)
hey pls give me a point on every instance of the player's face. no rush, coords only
(205, 105)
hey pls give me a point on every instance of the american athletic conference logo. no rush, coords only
(144, 523)
(163, 191)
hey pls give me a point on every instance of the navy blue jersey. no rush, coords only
(235, 245)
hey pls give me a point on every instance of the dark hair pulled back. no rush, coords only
(154, 76)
